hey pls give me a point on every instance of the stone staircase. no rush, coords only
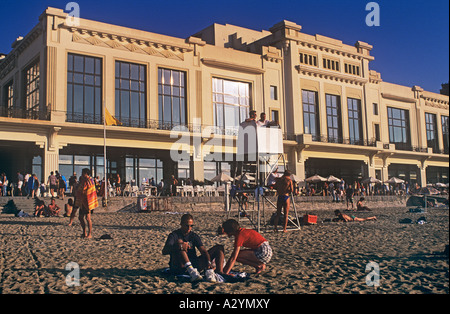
(12, 205)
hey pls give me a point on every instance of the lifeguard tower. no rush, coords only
(259, 151)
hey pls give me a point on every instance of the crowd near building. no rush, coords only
(338, 117)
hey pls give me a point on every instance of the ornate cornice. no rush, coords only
(133, 44)
(331, 75)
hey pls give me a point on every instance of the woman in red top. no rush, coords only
(258, 252)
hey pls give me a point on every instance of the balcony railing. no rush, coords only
(233, 131)
(32, 114)
(343, 140)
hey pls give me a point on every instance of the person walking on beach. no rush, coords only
(86, 200)
(258, 252)
(347, 218)
(181, 245)
(349, 195)
(284, 188)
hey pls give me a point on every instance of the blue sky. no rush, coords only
(411, 45)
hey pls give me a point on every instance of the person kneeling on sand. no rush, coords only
(258, 252)
(347, 218)
(181, 244)
(40, 209)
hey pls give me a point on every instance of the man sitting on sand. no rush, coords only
(181, 244)
(259, 251)
(347, 218)
(53, 208)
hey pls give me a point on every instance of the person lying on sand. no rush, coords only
(181, 244)
(259, 251)
(347, 218)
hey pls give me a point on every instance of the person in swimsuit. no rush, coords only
(284, 188)
(347, 218)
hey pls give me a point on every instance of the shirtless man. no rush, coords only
(53, 208)
(284, 188)
(347, 218)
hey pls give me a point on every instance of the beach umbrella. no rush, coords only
(395, 180)
(315, 179)
(332, 178)
(428, 191)
(371, 180)
(295, 178)
(245, 177)
(222, 177)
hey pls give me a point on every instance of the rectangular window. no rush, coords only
(431, 129)
(351, 69)
(84, 89)
(398, 123)
(273, 92)
(274, 115)
(445, 137)
(8, 92)
(183, 170)
(131, 94)
(330, 64)
(32, 75)
(231, 100)
(308, 59)
(333, 104)
(354, 121)
(172, 98)
(7, 104)
(310, 114)
(375, 109)
(377, 132)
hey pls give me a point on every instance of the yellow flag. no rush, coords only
(110, 120)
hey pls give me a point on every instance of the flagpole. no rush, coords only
(104, 154)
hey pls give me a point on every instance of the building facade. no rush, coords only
(180, 102)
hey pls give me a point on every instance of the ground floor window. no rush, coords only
(142, 170)
(409, 173)
(74, 164)
(349, 170)
(437, 174)
(36, 167)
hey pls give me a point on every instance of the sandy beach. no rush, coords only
(326, 258)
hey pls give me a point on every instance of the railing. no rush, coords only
(20, 113)
(343, 140)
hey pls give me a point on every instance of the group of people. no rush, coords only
(84, 201)
(262, 122)
(250, 248)
(24, 185)
(57, 183)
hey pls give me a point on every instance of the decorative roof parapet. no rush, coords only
(332, 75)
(128, 39)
